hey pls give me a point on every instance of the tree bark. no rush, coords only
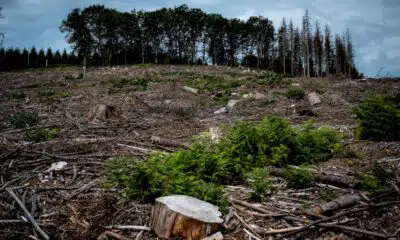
(184, 216)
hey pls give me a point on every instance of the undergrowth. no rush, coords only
(261, 186)
(41, 134)
(139, 84)
(379, 119)
(16, 95)
(24, 119)
(202, 170)
(295, 93)
(299, 177)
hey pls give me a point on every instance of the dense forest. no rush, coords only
(102, 36)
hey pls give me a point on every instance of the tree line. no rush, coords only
(13, 58)
(102, 36)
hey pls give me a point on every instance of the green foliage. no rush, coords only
(161, 175)
(41, 134)
(295, 93)
(379, 119)
(61, 95)
(270, 78)
(24, 119)
(368, 182)
(299, 177)
(140, 84)
(201, 170)
(212, 83)
(259, 184)
(16, 95)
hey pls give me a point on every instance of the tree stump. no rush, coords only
(184, 216)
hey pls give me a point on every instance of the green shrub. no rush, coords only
(24, 119)
(16, 95)
(270, 78)
(368, 182)
(299, 177)
(259, 184)
(207, 165)
(41, 134)
(138, 84)
(295, 93)
(379, 119)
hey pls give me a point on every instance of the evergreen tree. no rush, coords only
(328, 54)
(41, 58)
(57, 57)
(49, 57)
(318, 49)
(33, 58)
(64, 57)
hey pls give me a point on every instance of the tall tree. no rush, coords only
(307, 43)
(283, 44)
(350, 52)
(33, 57)
(57, 57)
(78, 34)
(318, 49)
(291, 46)
(328, 54)
(50, 56)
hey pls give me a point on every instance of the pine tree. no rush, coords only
(64, 57)
(33, 58)
(57, 57)
(307, 42)
(328, 51)
(49, 57)
(318, 49)
(350, 52)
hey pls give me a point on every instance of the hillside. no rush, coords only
(54, 115)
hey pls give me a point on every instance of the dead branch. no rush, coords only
(129, 227)
(28, 214)
(341, 202)
(246, 225)
(82, 189)
(107, 234)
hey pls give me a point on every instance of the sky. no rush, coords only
(374, 24)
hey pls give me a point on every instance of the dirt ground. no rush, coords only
(74, 204)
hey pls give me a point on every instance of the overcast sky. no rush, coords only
(374, 24)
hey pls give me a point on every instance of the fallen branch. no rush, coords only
(107, 234)
(28, 214)
(363, 208)
(344, 181)
(258, 209)
(11, 221)
(82, 189)
(246, 225)
(129, 227)
(339, 203)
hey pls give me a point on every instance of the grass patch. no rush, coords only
(24, 119)
(295, 93)
(379, 119)
(41, 134)
(299, 177)
(212, 83)
(202, 170)
(140, 84)
(16, 95)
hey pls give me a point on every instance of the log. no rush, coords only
(339, 203)
(184, 216)
(168, 142)
(343, 181)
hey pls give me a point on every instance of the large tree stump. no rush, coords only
(184, 216)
